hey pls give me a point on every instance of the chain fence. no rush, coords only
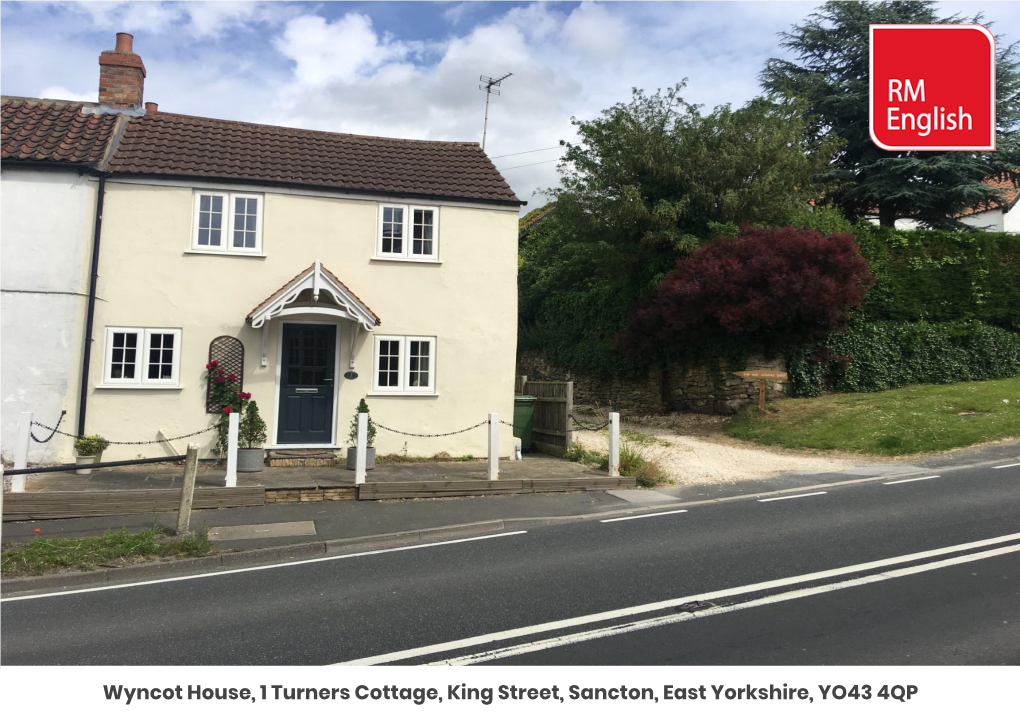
(57, 431)
(581, 426)
(426, 435)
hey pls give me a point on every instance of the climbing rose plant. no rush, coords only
(227, 396)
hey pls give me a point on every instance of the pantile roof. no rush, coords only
(169, 144)
(49, 131)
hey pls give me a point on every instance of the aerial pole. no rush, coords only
(489, 85)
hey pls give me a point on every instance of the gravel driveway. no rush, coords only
(693, 450)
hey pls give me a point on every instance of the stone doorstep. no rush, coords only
(311, 457)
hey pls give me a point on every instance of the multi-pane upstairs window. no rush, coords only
(227, 222)
(245, 222)
(210, 221)
(424, 225)
(392, 231)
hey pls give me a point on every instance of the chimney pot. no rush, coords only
(125, 42)
(151, 107)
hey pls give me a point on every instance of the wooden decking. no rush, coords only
(96, 503)
(396, 490)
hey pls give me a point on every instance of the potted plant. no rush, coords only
(352, 452)
(251, 436)
(89, 449)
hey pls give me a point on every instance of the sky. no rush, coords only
(411, 69)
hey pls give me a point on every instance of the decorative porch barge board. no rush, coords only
(97, 503)
(393, 490)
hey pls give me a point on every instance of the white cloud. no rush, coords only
(56, 92)
(342, 50)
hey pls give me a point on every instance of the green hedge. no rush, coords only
(872, 356)
(942, 276)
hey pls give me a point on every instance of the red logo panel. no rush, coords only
(932, 87)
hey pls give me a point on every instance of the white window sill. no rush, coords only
(139, 387)
(422, 261)
(403, 394)
(224, 252)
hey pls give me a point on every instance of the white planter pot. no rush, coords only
(84, 463)
(250, 459)
(352, 458)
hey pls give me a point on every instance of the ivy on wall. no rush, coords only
(878, 355)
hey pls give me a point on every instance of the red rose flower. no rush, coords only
(247, 396)
(228, 409)
(215, 363)
(220, 380)
(231, 377)
(208, 366)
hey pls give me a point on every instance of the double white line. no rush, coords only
(557, 626)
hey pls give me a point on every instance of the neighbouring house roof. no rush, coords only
(315, 278)
(535, 216)
(169, 144)
(1009, 197)
(54, 131)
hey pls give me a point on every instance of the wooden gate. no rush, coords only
(553, 429)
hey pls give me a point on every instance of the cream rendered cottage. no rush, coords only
(321, 267)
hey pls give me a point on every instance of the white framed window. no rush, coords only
(408, 232)
(404, 364)
(227, 222)
(142, 357)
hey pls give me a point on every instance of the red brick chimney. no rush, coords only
(121, 74)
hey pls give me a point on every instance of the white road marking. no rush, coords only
(684, 616)
(668, 604)
(256, 568)
(926, 477)
(1000, 467)
(791, 497)
(639, 517)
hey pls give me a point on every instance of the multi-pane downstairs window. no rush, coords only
(142, 357)
(404, 364)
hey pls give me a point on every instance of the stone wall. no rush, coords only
(694, 390)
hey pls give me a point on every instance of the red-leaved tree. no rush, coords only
(760, 292)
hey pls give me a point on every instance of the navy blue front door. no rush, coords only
(306, 384)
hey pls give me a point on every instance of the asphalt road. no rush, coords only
(664, 584)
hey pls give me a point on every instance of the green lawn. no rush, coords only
(116, 546)
(912, 419)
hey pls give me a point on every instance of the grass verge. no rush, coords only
(115, 547)
(907, 420)
(648, 473)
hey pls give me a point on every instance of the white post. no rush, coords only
(493, 464)
(232, 423)
(614, 444)
(21, 451)
(361, 454)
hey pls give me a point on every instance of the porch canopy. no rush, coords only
(314, 291)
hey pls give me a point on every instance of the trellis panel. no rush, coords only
(230, 352)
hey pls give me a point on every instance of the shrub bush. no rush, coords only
(872, 356)
(753, 294)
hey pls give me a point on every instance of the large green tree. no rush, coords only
(829, 71)
(648, 182)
